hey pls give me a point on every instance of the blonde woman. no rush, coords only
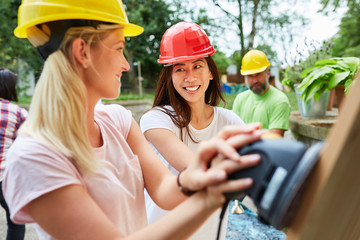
(78, 169)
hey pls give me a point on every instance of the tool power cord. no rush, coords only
(222, 213)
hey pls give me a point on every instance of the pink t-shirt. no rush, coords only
(35, 169)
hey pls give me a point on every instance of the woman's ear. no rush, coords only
(80, 51)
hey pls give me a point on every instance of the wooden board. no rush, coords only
(330, 208)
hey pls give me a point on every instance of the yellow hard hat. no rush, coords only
(254, 61)
(34, 12)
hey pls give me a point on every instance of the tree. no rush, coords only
(13, 48)
(155, 16)
(268, 24)
(336, 4)
(347, 40)
(221, 61)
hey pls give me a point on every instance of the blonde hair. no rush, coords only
(57, 114)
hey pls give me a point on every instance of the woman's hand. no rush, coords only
(215, 192)
(221, 154)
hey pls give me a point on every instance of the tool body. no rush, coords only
(279, 179)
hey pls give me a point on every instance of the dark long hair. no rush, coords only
(8, 81)
(167, 95)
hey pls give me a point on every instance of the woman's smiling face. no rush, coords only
(107, 65)
(191, 79)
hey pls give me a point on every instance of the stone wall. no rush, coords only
(311, 130)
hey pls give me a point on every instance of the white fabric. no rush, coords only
(156, 118)
(35, 169)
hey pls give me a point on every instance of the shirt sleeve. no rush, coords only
(156, 118)
(119, 115)
(33, 170)
(235, 119)
(23, 114)
(279, 118)
(236, 105)
(228, 117)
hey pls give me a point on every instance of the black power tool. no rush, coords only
(280, 178)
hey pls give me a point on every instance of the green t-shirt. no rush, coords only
(271, 109)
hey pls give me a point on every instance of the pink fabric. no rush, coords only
(35, 169)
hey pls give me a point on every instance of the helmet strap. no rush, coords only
(57, 33)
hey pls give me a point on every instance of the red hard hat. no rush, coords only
(184, 41)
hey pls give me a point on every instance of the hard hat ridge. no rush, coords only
(184, 41)
(254, 61)
(60, 15)
(35, 12)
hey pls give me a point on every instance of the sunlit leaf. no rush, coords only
(337, 78)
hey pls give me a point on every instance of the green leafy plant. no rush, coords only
(326, 74)
(303, 58)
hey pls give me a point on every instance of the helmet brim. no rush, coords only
(130, 29)
(254, 71)
(184, 58)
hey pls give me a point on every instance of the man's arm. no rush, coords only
(236, 105)
(278, 131)
(279, 121)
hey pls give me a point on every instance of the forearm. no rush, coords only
(168, 194)
(174, 151)
(278, 131)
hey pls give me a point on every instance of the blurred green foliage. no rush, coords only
(13, 48)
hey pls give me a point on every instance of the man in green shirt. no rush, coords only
(262, 102)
